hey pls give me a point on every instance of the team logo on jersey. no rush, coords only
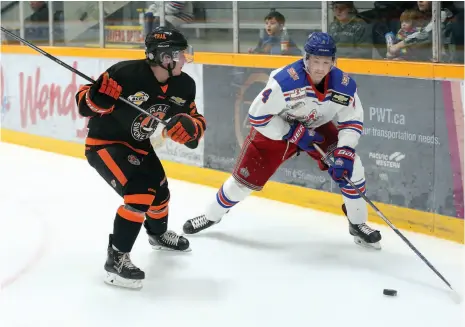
(291, 71)
(345, 79)
(312, 116)
(298, 94)
(177, 100)
(144, 126)
(340, 98)
(138, 98)
(307, 120)
(133, 160)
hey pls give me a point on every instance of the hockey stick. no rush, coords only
(394, 228)
(61, 63)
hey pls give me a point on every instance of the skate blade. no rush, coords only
(193, 233)
(115, 280)
(184, 233)
(164, 248)
(362, 243)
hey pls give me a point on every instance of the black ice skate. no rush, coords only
(197, 224)
(363, 234)
(169, 240)
(120, 270)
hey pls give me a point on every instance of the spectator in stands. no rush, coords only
(351, 33)
(383, 18)
(454, 38)
(409, 21)
(276, 40)
(419, 44)
(176, 14)
(452, 33)
(40, 11)
(36, 25)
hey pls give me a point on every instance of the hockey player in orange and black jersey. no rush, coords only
(118, 145)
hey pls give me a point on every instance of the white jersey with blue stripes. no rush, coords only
(289, 96)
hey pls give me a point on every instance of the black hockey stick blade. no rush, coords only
(77, 72)
(325, 157)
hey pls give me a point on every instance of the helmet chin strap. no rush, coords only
(169, 69)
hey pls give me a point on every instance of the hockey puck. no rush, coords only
(390, 292)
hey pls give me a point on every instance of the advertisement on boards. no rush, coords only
(398, 142)
(38, 97)
(405, 131)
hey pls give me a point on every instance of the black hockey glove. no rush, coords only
(182, 128)
(202, 124)
(103, 94)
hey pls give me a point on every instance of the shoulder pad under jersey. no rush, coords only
(341, 82)
(292, 76)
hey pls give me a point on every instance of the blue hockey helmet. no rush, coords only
(320, 44)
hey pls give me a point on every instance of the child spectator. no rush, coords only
(276, 40)
(419, 43)
(409, 21)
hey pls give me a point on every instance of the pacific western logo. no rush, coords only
(389, 161)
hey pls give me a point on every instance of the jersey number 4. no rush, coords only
(266, 95)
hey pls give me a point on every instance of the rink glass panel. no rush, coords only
(121, 25)
(81, 23)
(211, 29)
(41, 23)
(10, 20)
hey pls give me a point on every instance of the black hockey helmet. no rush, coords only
(165, 45)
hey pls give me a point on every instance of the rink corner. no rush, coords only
(440, 226)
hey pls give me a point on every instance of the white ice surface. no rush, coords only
(266, 264)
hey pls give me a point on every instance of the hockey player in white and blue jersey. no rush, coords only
(294, 110)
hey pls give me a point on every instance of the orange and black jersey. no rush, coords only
(129, 126)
